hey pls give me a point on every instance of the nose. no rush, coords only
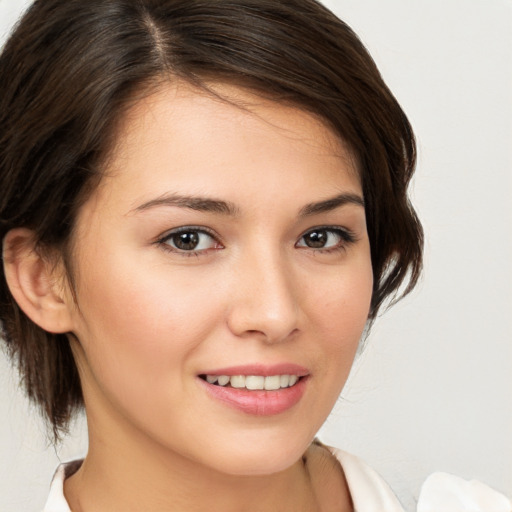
(264, 301)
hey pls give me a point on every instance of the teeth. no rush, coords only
(272, 383)
(222, 380)
(254, 382)
(237, 381)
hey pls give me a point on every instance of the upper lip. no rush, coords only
(264, 370)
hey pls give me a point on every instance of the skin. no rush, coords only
(150, 318)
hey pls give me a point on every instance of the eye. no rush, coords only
(190, 239)
(326, 238)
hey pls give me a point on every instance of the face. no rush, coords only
(223, 280)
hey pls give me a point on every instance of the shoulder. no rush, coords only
(368, 490)
(441, 492)
(56, 501)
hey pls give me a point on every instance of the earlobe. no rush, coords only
(34, 284)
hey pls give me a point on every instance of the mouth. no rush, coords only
(256, 389)
(253, 382)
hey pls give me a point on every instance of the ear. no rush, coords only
(35, 282)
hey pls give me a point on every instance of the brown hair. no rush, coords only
(71, 67)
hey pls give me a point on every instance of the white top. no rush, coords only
(370, 493)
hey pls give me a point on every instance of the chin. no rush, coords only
(259, 455)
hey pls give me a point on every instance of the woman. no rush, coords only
(204, 206)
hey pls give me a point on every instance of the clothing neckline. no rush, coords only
(368, 491)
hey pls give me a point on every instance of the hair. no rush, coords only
(71, 69)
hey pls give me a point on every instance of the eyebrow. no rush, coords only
(202, 204)
(330, 204)
(212, 205)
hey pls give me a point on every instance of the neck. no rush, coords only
(134, 473)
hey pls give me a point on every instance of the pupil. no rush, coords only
(186, 241)
(316, 239)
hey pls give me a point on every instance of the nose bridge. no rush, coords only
(265, 301)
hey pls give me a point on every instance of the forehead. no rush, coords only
(195, 140)
(187, 109)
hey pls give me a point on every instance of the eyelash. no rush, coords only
(346, 236)
(163, 241)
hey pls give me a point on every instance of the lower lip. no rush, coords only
(258, 402)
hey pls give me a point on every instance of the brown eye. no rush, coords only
(326, 238)
(188, 239)
(316, 239)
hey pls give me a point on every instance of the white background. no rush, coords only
(432, 390)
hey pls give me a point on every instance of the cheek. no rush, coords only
(339, 312)
(142, 319)
(343, 300)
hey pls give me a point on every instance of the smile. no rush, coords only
(253, 394)
(253, 382)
